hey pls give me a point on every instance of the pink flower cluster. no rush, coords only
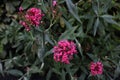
(54, 2)
(64, 51)
(33, 16)
(20, 9)
(25, 25)
(96, 68)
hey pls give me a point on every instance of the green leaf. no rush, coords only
(28, 46)
(15, 72)
(1, 49)
(117, 71)
(56, 71)
(44, 6)
(25, 78)
(97, 22)
(106, 64)
(68, 25)
(80, 32)
(8, 64)
(84, 69)
(63, 75)
(92, 57)
(73, 9)
(49, 75)
(40, 53)
(116, 27)
(35, 69)
(108, 18)
(9, 7)
(90, 24)
(3, 54)
(68, 70)
(1, 68)
(79, 48)
(48, 38)
(26, 4)
(95, 7)
(101, 29)
(48, 53)
(62, 23)
(82, 76)
(107, 5)
(4, 40)
(74, 70)
(68, 34)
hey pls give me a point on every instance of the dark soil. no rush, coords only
(33, 77)
(8, 77)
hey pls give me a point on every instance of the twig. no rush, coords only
(78, 2)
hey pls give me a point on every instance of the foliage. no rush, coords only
(94, 26)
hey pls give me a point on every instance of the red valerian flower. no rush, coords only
(96, 68)
(23, 23)
(54, 2)
(34, 16)
(64, 51)
(20, 8)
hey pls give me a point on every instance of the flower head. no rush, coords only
(23, 23)
(54, 3)
(64, 51)
(34, 16)
(96, 68)
(20, 8)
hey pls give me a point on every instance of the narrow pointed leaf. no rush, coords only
(73, 9)
(97, 22)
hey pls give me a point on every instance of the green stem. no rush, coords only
(11, 58)
(78, 2)
(43, 39)
(42, 65)
(98, 5)
(51, 24)
(41, 49)
(31, 35)
(23, 76)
